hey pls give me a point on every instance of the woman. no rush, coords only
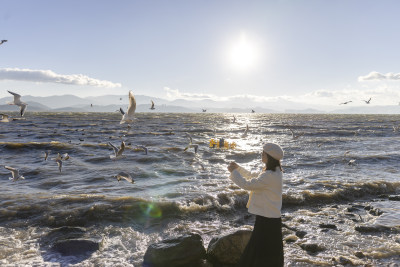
(265, 247)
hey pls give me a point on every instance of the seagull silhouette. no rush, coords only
(204, 110)
(294, 135)
(2, 41)
(345, 103)
(152, 105)
(367, 101)
(126, 176)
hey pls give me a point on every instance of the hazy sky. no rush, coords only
(306, 51)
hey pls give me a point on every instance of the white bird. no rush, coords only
(117, 151)
(128, 116)
(4, 118)
(395, 128)
(17, 101)
(294, 135)
(143, 148)
(15, 174)
(351, 162)
(65, 156)
(126, 176)
(152, 105)
(246, 131)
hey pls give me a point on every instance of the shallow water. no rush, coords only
(177, 191)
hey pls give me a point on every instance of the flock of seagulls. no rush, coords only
(347, 102)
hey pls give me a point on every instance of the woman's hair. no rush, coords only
(272, 163)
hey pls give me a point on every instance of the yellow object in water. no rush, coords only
(222, 143)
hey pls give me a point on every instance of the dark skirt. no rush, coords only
(265, 247)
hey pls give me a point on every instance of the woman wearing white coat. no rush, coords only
(265, 247)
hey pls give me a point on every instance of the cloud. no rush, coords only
(48, 76)
(376, 76)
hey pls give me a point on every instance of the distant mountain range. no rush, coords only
(112, 103)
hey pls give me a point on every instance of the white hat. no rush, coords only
(273, 150)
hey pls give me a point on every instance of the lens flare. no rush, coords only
(151, 210)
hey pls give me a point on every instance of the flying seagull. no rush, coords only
(143, 148)
(294, 135)
(117, 151)
(58, 159)
(246, 131)
(46, 154)
(204, 110)
(234, 119)
(17, 101)
(15, 174)
(126, 176)
(191, 144)
(128, 116)
(367, 101)
(152, 105)
(2, 41)
(253, 111)
(344, 103)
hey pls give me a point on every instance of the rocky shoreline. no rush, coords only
(304, 232)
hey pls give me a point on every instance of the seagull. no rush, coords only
(152, 105)
(46, 154)
(351, 162)
(234, 119)
(395, 128)
(295, 136)
(65, 156)
(17, 101)
(58, 159)
(367, 101)
(245, 131)
(128, 116)
(144, 148)
(191, 144)
(344, 103)
(253, 111)
(204, 110)
(15, 174)
(117, 151)
(4, 118)
(196, 147)
(126, 176)
(2, 41)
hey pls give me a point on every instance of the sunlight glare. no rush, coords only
(243, 54)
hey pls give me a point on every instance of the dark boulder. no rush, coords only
(76, 247)
(312, 248)
(186, 250)
(229, 248)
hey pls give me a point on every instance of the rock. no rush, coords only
(344, 261)
(370, 228)
(359, 255)
(76, 247)
(394, 198)
(291, 239)
(328, 226)
(187, 250)
(312, 248)
(228, 249)
(301, 234)
(375, 212)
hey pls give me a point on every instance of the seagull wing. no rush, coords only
(132, 104)
(196, 147)
(59, 162)
(190, 138)
(17, 97)
(14, 172)
(152, 104)
(121, 149)
(65, 156)
(23, 108)
(122, 111)
(114, 148)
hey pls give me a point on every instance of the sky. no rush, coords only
(325, 52)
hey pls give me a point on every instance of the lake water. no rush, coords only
(177, 191)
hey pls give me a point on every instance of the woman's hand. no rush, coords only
(232, 166)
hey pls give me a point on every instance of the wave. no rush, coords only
(17, 145)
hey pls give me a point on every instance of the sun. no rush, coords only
(243, 54)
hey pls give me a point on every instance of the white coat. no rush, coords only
(265, 198)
